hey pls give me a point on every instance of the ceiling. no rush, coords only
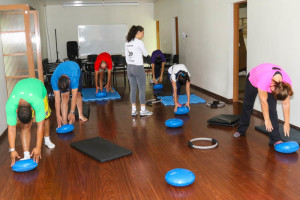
(61, 2)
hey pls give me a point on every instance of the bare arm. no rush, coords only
(57, 108)
(36, 152)
(263, 96)
(162, 69)
(188, 93)
(175, 95)
(153, 73)
(108, 85)
(74, 99)
(12, 141)
(286, 113)
(96, 81)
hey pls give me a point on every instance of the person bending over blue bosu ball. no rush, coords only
(271, 83)
(67, 76)
(158, 65)
(179, 76)
(27, 101)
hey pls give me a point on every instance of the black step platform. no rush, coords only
(224, 120)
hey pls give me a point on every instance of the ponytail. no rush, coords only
(133, 31)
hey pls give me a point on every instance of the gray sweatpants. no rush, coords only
(137, 77)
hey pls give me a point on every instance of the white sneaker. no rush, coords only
(49, 144)
(146, 113)
(133, 113)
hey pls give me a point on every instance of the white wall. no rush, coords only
(208, 49)
(273, 36)
(66, 20)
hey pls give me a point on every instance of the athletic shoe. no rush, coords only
(146, 113)
(49, 144)
(133, 113)
(236, 134)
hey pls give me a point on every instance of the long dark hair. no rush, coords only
(133, 31)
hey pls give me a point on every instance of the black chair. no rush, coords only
(168, 59)
(175, 59)
(89, 70)
(119, 64)
(147, 64)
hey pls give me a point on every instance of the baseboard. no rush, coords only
(259, 114)
(3, 134)
(216, 96)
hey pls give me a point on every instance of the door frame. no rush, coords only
(236, 7)
(157, 35)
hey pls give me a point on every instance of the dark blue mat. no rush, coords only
(89, 94)
(168, 100)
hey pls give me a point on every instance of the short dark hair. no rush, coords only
(24, 113)
(183, 77)
(282, 91)
(158, 60)
(63, 83)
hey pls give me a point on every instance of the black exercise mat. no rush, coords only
(224, 120)
(294, 133)
(100, 149)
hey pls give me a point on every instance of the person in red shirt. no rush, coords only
(102, 63)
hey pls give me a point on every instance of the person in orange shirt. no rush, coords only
(103, 62)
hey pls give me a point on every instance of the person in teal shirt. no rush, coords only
(28, 100)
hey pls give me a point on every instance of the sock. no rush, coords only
(26, 155)
(143, 108)
(133, 108)
(48, 143)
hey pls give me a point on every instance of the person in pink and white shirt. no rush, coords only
(271, 83)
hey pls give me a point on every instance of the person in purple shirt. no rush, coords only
(158, 64)
(67, 76)
(271, 83)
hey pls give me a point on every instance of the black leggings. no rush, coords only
(250, 95)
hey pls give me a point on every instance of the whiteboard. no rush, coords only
(95, 39)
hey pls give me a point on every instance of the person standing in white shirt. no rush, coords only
(179, 75)
(134, 52)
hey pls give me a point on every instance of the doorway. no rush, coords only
(240, 51)
(175, 37)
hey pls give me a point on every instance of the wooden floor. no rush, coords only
(243, 168)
